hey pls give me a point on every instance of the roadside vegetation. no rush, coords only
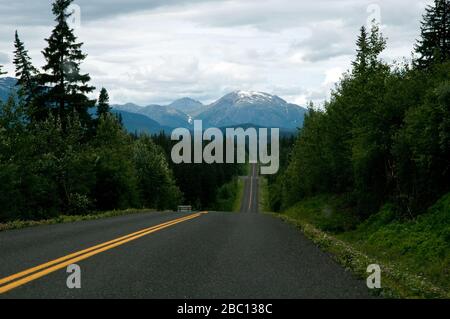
(264, 196)
(228, 196)
(239, 196)
(372, 169)
(414, 254)
(63, 219)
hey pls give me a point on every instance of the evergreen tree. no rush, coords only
(103, 103)
(157, 186)
(1, 72)
(377, 44)
(115, 175)
(434, 45)
(369, 48)
(362, 52)
(67, 87)
(25, 72)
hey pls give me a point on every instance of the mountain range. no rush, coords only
(235, 109)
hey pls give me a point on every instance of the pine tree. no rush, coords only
(434, 45)
(26, 73)
(67, 87)
(1, 72)
(103, 103)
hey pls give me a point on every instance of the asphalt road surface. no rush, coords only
(205, 255)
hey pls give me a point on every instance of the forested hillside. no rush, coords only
(378, 153)
(385, 134)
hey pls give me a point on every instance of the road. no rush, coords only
(250, 199)
(205, 255)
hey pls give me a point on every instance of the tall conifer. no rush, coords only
(434, 44)
(26, 73)
(1, 72)
(66, 88)
(103, 103)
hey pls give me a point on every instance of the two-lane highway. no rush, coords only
(171, 255)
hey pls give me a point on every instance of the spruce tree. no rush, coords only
(66, 87)
(434, 44)
(1, 72)
(26, 73)
(103, 103)
(361, 63)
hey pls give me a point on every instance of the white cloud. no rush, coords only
(155, 51)
(332, 76)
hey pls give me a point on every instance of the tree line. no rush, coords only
(62, 152)
(384, 136)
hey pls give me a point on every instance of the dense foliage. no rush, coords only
(385, 134)
(202, 184)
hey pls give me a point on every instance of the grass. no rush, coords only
(19, 224)
(421, 246)
(239, 194)
(325, 212)
(396, 281)
(264, 205)
(229, 196)
(414, 254)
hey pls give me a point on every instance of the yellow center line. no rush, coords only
(83, 254)
(51, 263)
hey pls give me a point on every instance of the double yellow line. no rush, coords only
(26, 276)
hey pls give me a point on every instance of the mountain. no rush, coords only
(260, 109)
(7, 86)
(283, 131)
(129, 107)
(187, 105)
(164, 115)
(138, 123)
(234, 109)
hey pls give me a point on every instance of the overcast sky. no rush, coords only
(155, 51)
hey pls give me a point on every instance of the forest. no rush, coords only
(64, 153)
(373, 166)
(385, 134)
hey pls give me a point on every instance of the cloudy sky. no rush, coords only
(155, 51)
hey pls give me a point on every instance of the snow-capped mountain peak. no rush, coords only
(236, 108)
(250, 96)
(257, 108)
